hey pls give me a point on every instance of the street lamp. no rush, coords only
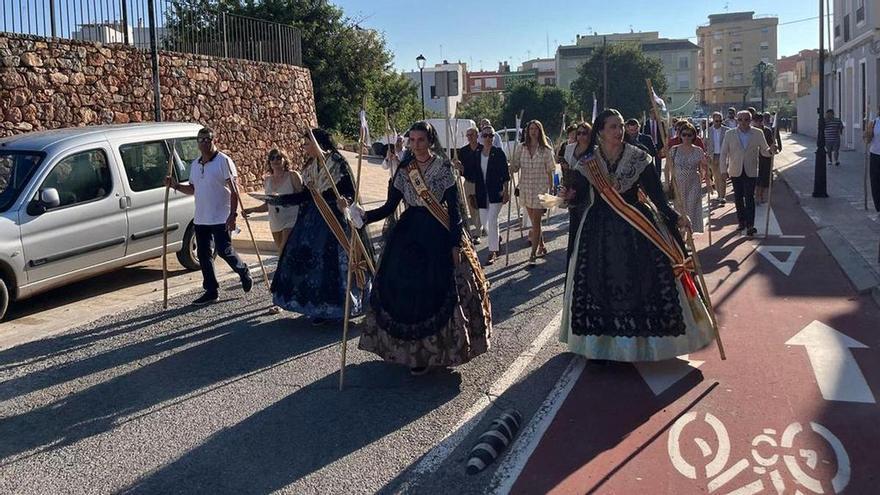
(420, 60)
(762, 67)
(819, 172)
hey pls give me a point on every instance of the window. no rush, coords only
(145, 164)
(765, 30)
(717, 35)
(684, 81)
(738, 76)
(736, 47)
(683, 62)
(81, 178)
(846, 28)
(717, 80)
(187, 150)
(492, 83)
(736, 61)
(860, 11)
(716, 65)
(765, 45)
(16, 168)
(837, 31)
(717, 50)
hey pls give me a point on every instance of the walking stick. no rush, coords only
(708, 198)
(234, 182)
(865, 178)
(165, 233)
(347, 317)
(512, 193)
(769, 202)
(702, 281)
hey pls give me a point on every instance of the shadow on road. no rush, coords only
(224, 345)
(309, 429)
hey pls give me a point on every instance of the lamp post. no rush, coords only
(819, 172)
(762, 67)
(420, 60)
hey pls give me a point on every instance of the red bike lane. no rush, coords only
(792, 409)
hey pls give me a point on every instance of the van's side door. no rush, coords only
(145, 164)
(88, 228)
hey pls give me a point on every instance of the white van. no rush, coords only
(81, 201)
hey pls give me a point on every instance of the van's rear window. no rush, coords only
(16, 168)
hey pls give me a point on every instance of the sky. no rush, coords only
(485, 33)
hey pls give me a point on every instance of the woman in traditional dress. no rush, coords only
(535, 163)
(430, 304)
(688, 165)
(625, 299)
(313, 267)
(279, 179)
(576, 182)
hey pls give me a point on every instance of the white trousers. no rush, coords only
(489, 220)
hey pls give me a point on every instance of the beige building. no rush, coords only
(679, 59)
(731, 45)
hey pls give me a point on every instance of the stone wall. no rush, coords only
(252, 106)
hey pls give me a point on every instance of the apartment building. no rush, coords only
(731, 46)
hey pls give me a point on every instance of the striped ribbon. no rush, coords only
(360, 266)
(682, 266)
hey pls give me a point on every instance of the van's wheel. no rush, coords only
(4, 298)
(188, 255)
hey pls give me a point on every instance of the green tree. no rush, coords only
(397, 96)
(346, 62)
(628, 67)
(486, 105)
(769, 78)
(544, 103)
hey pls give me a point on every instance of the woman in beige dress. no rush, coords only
(535, 163)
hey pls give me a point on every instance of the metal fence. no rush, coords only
(188, 26)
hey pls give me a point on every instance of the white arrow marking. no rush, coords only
(784, 266)
(660, 375)
(834, 366)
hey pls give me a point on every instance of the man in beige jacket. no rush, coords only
(739, 161)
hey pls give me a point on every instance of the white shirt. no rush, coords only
(875, 143)
(211, 191)
(717, 138)
(484, 166)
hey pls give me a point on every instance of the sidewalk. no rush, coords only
(373, 191)
(851, 233)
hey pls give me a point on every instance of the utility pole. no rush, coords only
(819, 173)
(604, 73)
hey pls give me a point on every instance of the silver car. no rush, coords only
(81, 201)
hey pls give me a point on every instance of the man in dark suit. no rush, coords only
(644, 141)
(651, 128)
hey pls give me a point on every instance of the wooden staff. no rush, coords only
(165, 233)
(351, 257)
(708, 197)
(661, 130)
(234, 182)
(323, 164)
(679, 201)
(511, 187)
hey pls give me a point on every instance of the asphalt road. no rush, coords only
(230, 399)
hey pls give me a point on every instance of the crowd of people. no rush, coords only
(630, 293)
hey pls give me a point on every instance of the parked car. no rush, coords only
(82, 201)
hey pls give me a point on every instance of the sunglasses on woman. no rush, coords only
(488, 135)
(687, 134)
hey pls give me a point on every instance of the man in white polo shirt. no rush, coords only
(211, 182)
